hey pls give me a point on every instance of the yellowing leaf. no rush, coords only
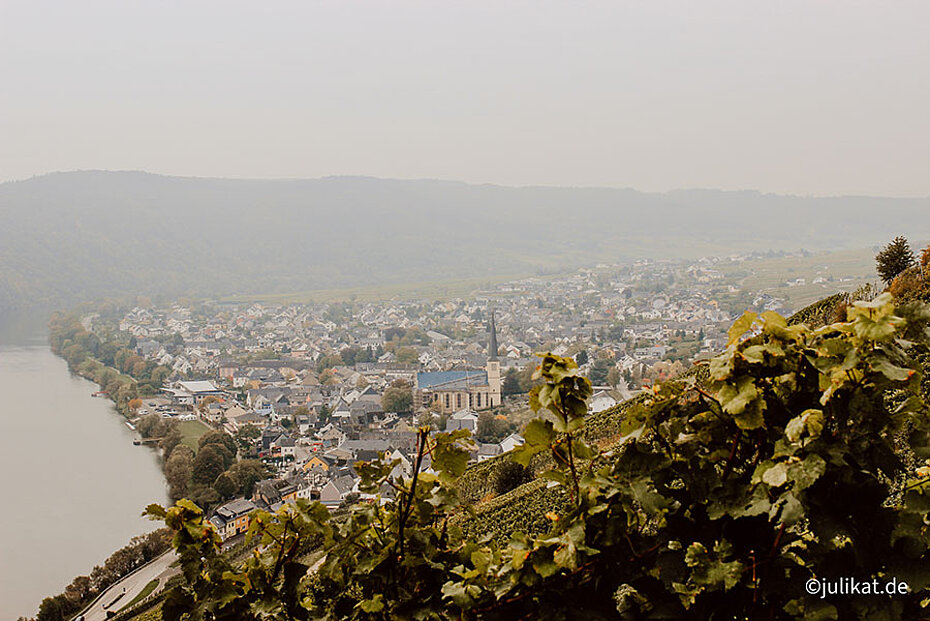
(740, 327)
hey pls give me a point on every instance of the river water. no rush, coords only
(72, 483)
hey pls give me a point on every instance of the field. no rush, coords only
(192, 430)
(844, 270)
(431, 290)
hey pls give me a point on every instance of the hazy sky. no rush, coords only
(799, 97)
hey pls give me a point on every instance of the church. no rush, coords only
(446, 392)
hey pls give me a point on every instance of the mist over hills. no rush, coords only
(68, 237)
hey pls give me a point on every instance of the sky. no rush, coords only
(796, 97)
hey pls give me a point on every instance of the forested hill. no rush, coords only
(67, 237)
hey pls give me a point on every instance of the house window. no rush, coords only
(470, 397)
(458, 401)
(478, 400)
(448, 401)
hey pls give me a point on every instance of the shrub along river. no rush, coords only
(73, 485)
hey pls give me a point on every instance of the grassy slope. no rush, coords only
(192, 430)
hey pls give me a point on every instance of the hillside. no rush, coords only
(529, 508)
(69, 237)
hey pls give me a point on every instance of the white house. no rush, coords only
(335, 491)
(404, 468)
(463, 419)
(601, 400)
(511, 442)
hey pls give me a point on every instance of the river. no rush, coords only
(73, 485)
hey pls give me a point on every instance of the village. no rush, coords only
(315, 388)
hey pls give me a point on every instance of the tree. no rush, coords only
(207, 465)
(178, 470)
(349, 356)
(398, 400)
(221, 438)
(79, 590)
(246, 474)
(205, 496)
(225, 486)
(151, 426)
(492, 428)
(54, 609)
(406, 355)
(613, 376)
(511, 383)
(328, 362)
(325, 414)
(135, 404)
(170, 440)
(247, 435)
(598, 373)
(894, 258)
(525, 376)
(582, 357)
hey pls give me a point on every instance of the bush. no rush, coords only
(510, 476)
(911, 284)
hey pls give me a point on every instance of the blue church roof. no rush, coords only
(440, 378)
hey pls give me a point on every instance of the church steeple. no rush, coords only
(492, 338)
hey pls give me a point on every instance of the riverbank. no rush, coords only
(111, 363)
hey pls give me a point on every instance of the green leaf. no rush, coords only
(740, 327)
(889, 370)
(649, 499)
(721, 366)
(481, 558)
(545, 566)
(539, 432)
(754, 354)
(449, 459)
(555, 475)
(789, 509)
(565, 556)
(736, 397)
(751, 417)
(805, 473)
(155, 512)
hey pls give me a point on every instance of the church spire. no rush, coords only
(492, 338)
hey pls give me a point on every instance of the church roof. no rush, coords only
(452, 380)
